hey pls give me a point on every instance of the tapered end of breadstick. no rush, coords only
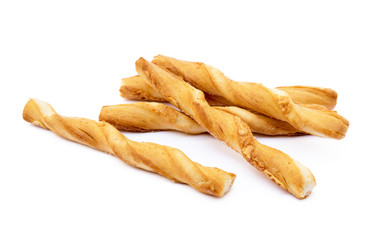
(300, 184)
(316, 95)
(221, 182)
(308, 180)
(229, 180)
(283, 170)
(35, 110)
(324, 123)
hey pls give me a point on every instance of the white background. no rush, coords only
(73, 55)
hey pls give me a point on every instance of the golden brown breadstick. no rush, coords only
(278, 166)
(148, 116)
(166, 161)
(152, 116)
(271, 102)
(135, 88)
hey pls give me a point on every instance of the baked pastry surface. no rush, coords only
(166, 161)
(153, 116)
(278, 166)
(136, 88)
(271, 102)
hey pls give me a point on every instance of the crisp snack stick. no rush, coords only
(271, 102)
(152, 116)
(278, 166)
(166, 161)
(136, 88)
(147, 117)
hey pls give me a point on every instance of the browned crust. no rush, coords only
(152, 116)
(274, 103)
(136, 88)
(312, 95)
(166, 161)
(131, 89)
(148, 116)
(229, 128)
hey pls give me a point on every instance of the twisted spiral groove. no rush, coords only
(153, 116)
(166, 161)
(278, 166)
(136, 88)
(271, 102)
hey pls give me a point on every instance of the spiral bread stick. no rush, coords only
(166, 161)
(136, 88)
(152, 116)
(278, 166)
(148, 116)
(271, 102)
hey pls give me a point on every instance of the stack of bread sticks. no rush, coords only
(204, 101)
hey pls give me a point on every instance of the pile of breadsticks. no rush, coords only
(205, 100)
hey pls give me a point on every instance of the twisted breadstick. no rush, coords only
(152, 116)
(148, 116)
(136, 88)
(271, 102)
(166, 161)
(278, 166)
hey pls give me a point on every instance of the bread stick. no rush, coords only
(147, 117)
(153, 116)
(278, 166)
(271, 102)
(136, 88)
(166, 161)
